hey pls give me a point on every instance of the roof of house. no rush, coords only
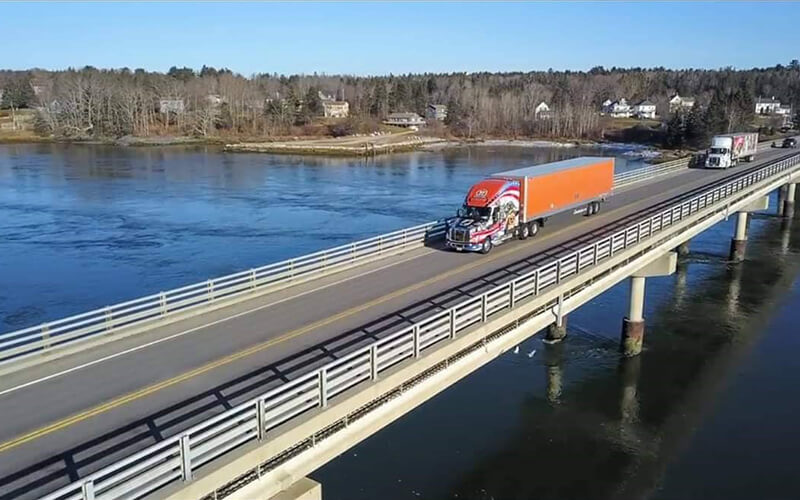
(437, 106)
(554, 167)
(767, 100)
(645, 102)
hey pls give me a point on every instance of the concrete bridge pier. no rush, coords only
(683, 249)
(781, 201)
(739, 241)
(788, 203)
(304, 489)
(633, 324)
(553, 361)
(556, 331)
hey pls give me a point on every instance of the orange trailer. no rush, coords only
(556, 187)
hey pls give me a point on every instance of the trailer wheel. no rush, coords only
(486, 247)
(523, 231)
(533, 228)
(596, 207)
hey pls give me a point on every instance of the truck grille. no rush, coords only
(459, 235)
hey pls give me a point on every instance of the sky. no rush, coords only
(364, 38)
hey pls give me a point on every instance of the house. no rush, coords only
(645, 109)
(332, 108)
(782, 110)
(542, 111)
(617, 109)
(336, 109)
(404, 120)
(678, 103)
(171, 106)
(767, 106)
(436, 112)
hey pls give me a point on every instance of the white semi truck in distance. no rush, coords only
(729, 149)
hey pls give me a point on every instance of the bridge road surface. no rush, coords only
(72, 416)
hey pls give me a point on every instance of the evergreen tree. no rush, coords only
(715, 116)
(18, 93)
(676, 131)
(696, 130)
(312, 103)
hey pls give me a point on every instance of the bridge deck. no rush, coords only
(127, 394)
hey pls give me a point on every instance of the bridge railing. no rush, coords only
(59, 334)
(623, 179)
(178, 457)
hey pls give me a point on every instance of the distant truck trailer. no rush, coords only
(518, 202)
(729, 149)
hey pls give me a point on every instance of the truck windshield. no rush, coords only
(477, 213)
(718, 151)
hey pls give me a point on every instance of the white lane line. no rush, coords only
(206, 325)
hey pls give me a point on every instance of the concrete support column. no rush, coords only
(788, 204)
(739, 241)
(683, 249)
(781, 200)
(557, 331)
(633, 325)
(554, 363)
(304, 489)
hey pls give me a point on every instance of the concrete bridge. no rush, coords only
(239, 387)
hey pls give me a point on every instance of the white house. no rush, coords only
(331, 108)
(678, 103)
(404, 120)
(767, 106)
(618, 109)
(542, 111)
(784, 110)
(644, 109)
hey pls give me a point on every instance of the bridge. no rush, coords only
(241, 386)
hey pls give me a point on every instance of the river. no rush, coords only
(708, 410)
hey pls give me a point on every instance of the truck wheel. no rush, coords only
(533, 228)
(596, 208)
(523, 231)
(487, 246)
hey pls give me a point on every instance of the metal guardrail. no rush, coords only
(48, 337)
(176, 458)
(37, 340)
(648, 172)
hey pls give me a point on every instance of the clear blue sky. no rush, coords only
(381, 38)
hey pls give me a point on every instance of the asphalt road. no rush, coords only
(63, 420)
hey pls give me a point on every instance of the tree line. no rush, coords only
(92, 102)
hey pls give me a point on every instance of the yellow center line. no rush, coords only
(132, 396)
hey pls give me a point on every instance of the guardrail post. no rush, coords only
(353, 252)
(373, 362)
(577, 262)
(537, 278)
(416, 341)
(323, 388)
(261, 410)
(108, 318)
(484, 307)
(45, 335)
(162, 300)
(405, 237)
(87, 490)
(453, 323)
(511, 289)
(253, 278)
(291, 268)
(596, 252)
(380, 245)
(210, 285)
(186, 458)
(558, 271)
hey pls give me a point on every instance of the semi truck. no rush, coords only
(728, 149)
(518, 202)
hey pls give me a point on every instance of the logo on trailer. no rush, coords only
(481, 194)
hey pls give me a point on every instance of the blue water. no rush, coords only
(87, 226)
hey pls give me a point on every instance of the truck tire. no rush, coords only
(533, 228)
(596, 207)
(523, 231)
(486, 247)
